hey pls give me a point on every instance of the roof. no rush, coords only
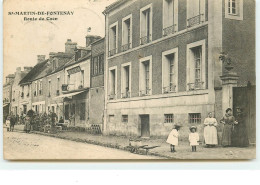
(113, 6)
(97, 41)
(72, 61)
(10, 76)
(34, 72)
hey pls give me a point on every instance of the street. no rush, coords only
(22, 146)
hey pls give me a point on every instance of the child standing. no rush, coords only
(173, 137)
(193, 138)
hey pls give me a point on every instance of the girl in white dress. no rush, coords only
(173, 137)
(194, 138)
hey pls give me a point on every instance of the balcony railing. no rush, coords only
(169, 30)
(146, 39)
(195, 86)
(145, 92)
(112, 52)
(169, 89)
(125, 94)
(111, 96)
(195, 20)
(125, 47)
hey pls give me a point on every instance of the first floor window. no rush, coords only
(82, 111)
(195, 118)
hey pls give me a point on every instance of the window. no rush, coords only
(168, 118)
(196, 66)
(126, 33)
(146, 24)
(111, 118)
(22, 94)
(98, 65)
(170, 71)
(28, 91)
(125, 118)
(170, 17)
(113, 39)
(195, 118)
(234, 9)
(40, 87)
(145, 77)
(112, 83)
(49, 87)
(58, 86)
(35, 88)
(82, 78)
(195, 12)
(125, 80)
(82, 111)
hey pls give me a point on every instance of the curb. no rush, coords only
(108, 145)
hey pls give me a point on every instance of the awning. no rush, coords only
(69, 94)
(5, 104)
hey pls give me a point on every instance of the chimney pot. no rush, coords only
(40, 58)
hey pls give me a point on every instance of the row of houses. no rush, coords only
(158, 64)
(63, 84)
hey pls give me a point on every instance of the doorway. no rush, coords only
(67, 112)
(145, 125)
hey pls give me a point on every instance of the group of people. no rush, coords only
(234, 132)
(32, 120)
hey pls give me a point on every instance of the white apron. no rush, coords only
(210, 132)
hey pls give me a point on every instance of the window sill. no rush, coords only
(159, 40)
(158, 96)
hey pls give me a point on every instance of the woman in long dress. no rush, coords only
(27, 124)
(228, 120)
(210, 131)
(240, 136)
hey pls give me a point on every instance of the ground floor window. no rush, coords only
(125, 118)
(168, 118)
(82, 110)
(195, 117)
(111, 118)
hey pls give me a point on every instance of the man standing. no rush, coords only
(12, 122)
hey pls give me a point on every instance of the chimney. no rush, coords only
(70, 46)
(27, 69)
(18, 69)
(91, 38)
(40, 58)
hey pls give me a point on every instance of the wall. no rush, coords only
(96, 107)
(239, 43)
(156, 50)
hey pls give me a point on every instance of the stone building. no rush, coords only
(97, 92)
(163, 66)
(7, 95)
(17, 90)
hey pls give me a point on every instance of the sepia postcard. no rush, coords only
(129, 80)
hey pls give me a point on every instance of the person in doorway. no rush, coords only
(228, 120)
(194, 138)
(210, 131)
(27, 121)
(61, 120)
(173, 137)
(239, 135)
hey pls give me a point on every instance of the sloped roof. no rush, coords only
(113, 5)
(10, 76)
(29, 77)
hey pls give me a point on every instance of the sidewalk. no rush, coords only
(183, 150)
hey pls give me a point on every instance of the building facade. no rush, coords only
(7, 95)
(97, 91)
(162, 61)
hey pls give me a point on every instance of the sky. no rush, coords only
(24, 40)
